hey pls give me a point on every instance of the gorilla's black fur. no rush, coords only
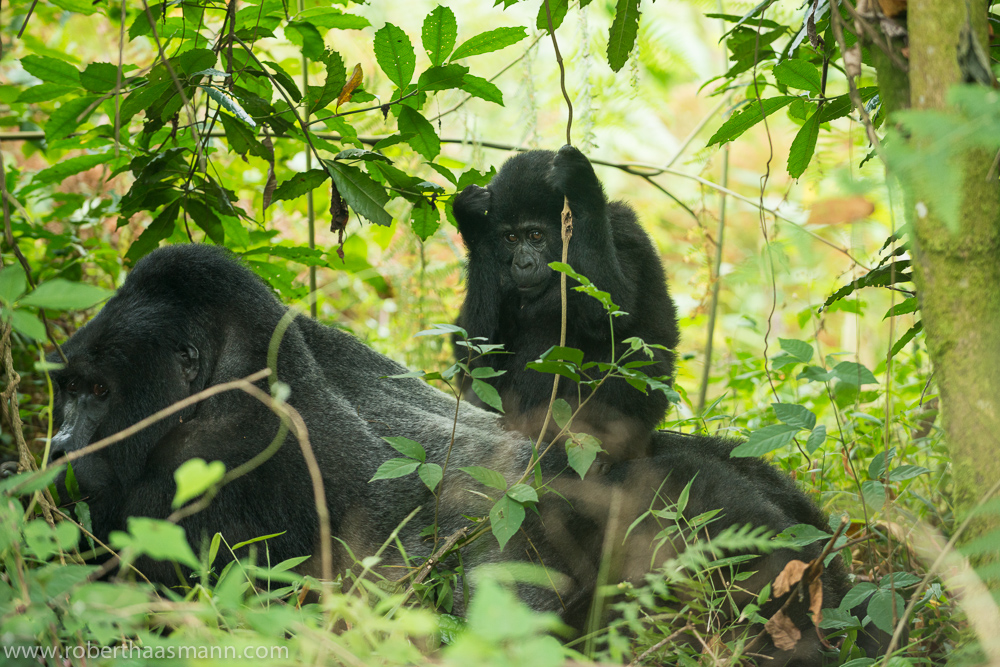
(512, 231)
(189, 317)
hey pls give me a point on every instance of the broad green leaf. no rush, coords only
(624, 30)
(43, 92)
(305, 35)
(45, 541)
(407, 447)
(481, 88)
(229, 103)
(795, 415)
(13, 283)
(61, 294)
(484, 372)
(802, 535)
(160, 540)
(815, 374)
(241, 138)
(486, 477)
(906, 338)
(750, 115)
(69, 116)
(558, 10)
(394, 468)
(74, 165)
(425, 219)
(803, 146)
(765, 440)
(880, 609)
(51, 70)
(898, 580)
(904, 472)
(488, 394)
(581, 452)
(430, 474)
(438, 34)
(194, 477)
(857, 595)
(873, 493)
(798, 74)
(159, 229)
(100, 77)
(285, 80)
(29, 325)
(878, 463)
(523, 493)
(910, 305)
(328, 17)
(424, 140)
(206, 219)
(561, 412)
(443, 78)
(506, 518)
(395, 55)
(854, 373)
(300, 184)
(816, 439)
(799, 349)
(489, 41)
(363, 194)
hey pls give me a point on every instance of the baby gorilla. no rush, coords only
(511, 229)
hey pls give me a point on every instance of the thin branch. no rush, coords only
(562, 75)
(660, 644)
(852, 86)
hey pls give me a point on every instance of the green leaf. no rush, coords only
(874, 494)
(801, 350)
(241, 138)
(407, 447)
(857, 595)
(206, 219)
(438, 34)
(160, 540)
(853, 373)
(51, 70)
(581, 452)
(305, 35)
(561, 412)
(481, 88)
(61, 294)
(798, 74)
(430, 474)
(300, 184)
(43, 92)
(424, 140)
(815, 374)
(486, 477)
(194, 477)
(803, 146)
(229, 103)
(284, 80)
(69, 116)
(74, 165)
(506, 518)
(395, 55)
(795, 415)
(765, 440)
(750, 115)
(880, 609)
(523, 493)
(557, 8)
(425, 219)
(909, 305)
(394, 468)
(45, 541)
(802, 535)
(29, 325)
(878, 463)
(906, 338)
(487, 393)
(363, 194)
(13, 283)
(100, 77)
(904, 472)
(160, 228)
(489, 41)
(624, 30)
(816, 439)
(442, 78)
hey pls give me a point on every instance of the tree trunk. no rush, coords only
(957, 273)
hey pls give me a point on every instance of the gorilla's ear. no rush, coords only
(188, 354)
(471, 206)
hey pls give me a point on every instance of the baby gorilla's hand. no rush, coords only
(571, 172)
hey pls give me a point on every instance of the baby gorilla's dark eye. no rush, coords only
(510, 238)
(535, 235)
(72, 387)
(99, 390)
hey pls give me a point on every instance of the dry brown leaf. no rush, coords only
(816, 600)
(840, 210)
(357, 76)
(892, 7)
(782, 630)
(788, 577)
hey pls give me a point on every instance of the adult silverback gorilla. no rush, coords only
(511, 229)
(190, 317)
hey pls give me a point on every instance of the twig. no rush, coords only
(660, 644)
(562, 76)
(429, 564)
(876, 37)
(852, 86)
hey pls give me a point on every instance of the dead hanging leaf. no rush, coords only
(783, 632)
(272, 181)
(816, 600)
(852, 61)
(892, 7)
(357, 76)
(788, 577)
(840, 210)
(339, 214)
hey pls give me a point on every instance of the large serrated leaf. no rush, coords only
(749, 116)
(442, 78)
(424, 139)
(206, 219)
(624, 29)
(425, 219)
(363, 194)
(300, 184)
(159, 229)
(438, 34)
(798, 74)
(489, 41)
(795, 415)
(69, 116)
(395, 55)
(51, 70)
(765, 440)
(74, 165)
(481, 88)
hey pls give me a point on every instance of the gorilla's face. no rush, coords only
(527, 248)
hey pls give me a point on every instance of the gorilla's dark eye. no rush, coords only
(99, 390)
(535, 235)
(510, 238)
(72, 387)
